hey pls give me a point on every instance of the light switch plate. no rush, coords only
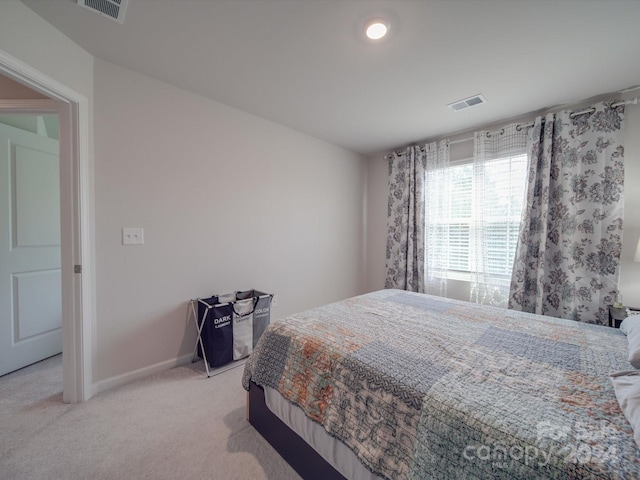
(132, 236)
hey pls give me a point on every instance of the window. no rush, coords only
(466, 216)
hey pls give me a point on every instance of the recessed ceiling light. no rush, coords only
(376, 29)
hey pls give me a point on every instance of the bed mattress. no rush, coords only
(422, 387)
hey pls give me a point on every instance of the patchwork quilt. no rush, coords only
(424, 387)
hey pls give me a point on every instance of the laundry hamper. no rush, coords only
(229, 326)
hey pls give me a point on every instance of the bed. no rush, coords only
(400, 385)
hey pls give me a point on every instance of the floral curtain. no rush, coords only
(405, 221)
(568, 255)
(499, 174)
(411, 262)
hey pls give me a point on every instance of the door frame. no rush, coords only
(76, 239)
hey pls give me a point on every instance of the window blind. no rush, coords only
(499, 215)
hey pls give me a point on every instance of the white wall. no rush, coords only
(377, 205)
(630, 272)
(227, 201)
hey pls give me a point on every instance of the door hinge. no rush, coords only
(77, 269)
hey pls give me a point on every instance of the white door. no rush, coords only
(30, 277)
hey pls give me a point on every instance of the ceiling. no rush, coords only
(305, 64)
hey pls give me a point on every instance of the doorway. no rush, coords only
(30, 276)
(76, 273)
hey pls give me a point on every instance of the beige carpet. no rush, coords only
(174, 425)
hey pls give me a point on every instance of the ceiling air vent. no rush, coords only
(467, 102)
(113, 9)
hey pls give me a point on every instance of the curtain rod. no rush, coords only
(633, 101)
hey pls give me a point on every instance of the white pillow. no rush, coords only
(627, 387)
(629, 323)
(630, 326)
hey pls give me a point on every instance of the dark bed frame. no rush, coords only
(297, 453)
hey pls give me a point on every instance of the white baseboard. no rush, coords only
(143, 372)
